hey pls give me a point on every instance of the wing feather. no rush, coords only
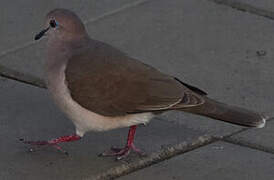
(108, 82)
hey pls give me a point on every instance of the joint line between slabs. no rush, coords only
(21, 77)
(115, 11)
(154, 158)
(246, 8)
(249, 145)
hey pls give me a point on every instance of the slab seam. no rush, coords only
(230, 139)
(232, 134)
(249, 145)
(164, 154)
(240, 142)
(115, 11)
(21, 77)
(246, 8)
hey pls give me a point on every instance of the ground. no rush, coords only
(222, 46)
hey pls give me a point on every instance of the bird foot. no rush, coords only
(122, 153)
(38, 144)
(53, 143)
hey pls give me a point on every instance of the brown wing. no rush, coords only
(108, 82)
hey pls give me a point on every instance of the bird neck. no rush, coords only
(59, 52)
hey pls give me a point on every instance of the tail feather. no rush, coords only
(228, 113)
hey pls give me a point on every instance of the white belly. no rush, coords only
(84, 119)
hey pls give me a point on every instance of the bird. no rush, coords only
(100, 88)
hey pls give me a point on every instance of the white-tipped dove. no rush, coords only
(101, 88)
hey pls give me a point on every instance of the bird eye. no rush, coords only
(53, 23)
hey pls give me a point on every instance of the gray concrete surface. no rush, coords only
(223, 50)
(257, 138)
(21, 19)
(216, 161)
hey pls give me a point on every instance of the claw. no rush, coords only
(122, 153)
(54, 142)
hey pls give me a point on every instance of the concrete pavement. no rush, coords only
(219, 160)
(213, 45)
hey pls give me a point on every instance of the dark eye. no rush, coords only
(52, 23)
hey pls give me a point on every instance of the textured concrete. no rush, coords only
(21, 19)
(258, 138)
(215, 161)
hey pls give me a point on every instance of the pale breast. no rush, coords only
(84, 119)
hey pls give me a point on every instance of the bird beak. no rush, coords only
(40, 34)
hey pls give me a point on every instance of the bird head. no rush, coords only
(62, 24)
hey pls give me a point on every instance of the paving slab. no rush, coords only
(215, 161)
(258, 138)
(21, 19)
(28, 112)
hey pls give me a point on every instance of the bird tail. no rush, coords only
(228, 113)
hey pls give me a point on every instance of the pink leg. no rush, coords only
(124, 152)
(54, 142)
